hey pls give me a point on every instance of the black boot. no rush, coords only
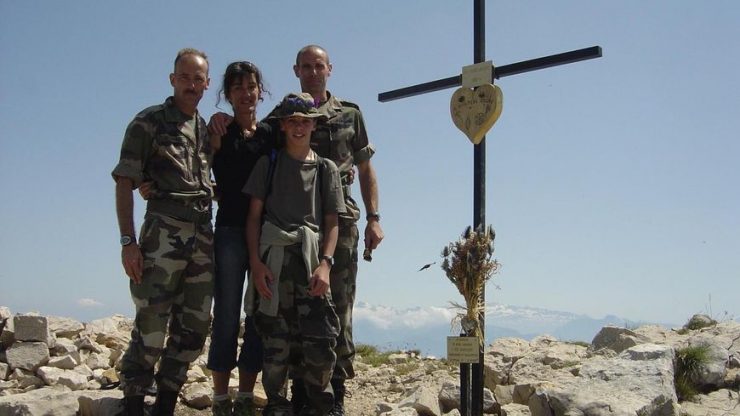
(338, 386)
(297, 395)
(133, 406)
(165, 403)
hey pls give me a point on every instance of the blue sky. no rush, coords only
(612, 183)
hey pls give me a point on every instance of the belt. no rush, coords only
(179, 211)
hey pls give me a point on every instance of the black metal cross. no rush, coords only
(471, 375)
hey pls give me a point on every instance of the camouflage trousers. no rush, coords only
(174, 299)
(300, 338)
(343, 288)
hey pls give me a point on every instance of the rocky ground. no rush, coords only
(57, 366)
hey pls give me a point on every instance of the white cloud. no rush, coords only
(384, 317)
(88, 303)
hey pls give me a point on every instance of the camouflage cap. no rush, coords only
(297, 105)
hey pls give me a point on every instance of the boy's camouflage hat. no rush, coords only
(297, 105)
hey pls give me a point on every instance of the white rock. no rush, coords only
(513, 409)
(7, 331)
(113, 332)
(8, 385)
(99, 359)
(398, 358)
(66, 362)
(33, 328)
(401, 411)
(27, 355)
(99, 403)
(64, 346)
(84, 370)
(198, 395)
(196, 374)
(56, 376)
(616, 339)
(86, 343)
(25, 379)
(638, 381)
(449, 396)
(720, 402)
(65, 327)
(423, 399)
(46, 402)
(4, 370)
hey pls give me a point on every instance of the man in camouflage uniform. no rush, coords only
(171, 267)
(343, 139)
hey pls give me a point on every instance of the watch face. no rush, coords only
(126, 240)
(329, 260)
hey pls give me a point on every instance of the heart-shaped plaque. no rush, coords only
(474, 111)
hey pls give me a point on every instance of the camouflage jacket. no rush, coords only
(171, 149)
(343, 139)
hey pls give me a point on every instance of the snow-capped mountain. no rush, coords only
(426, 328)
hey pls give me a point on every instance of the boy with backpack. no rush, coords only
(296, 197)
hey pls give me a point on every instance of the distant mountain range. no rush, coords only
(427, 328)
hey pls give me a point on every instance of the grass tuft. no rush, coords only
(689, 362)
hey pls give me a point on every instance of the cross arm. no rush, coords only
(499, 72)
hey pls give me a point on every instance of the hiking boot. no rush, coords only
(298, 395)
(133, 406)
(221, 407)
(339, 392)
(244, 407)
(165, 403)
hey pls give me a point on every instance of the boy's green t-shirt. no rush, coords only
(296, 198)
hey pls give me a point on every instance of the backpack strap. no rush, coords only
(270, 172)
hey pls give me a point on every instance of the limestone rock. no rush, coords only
(196, 374)
(198, 395)
(449, 396)
(401, 411)
(639, 381)
(513, 409)
(99, 359)
(27, 355)
(98, 403)
(397, 358)
(699, 321)
(66, 362)
(616, 339)
(64, 346)
(25, 379)
(113, 332)
(46, 402)
(33, 328)
(424, 400)
(53, 376)
(7, 331)
(65, 327)
(720, 403)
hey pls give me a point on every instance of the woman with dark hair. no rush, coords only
(236, 153)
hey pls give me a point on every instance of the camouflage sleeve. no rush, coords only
(363, 150)
(331, 190)
(257, 183)
(136, 148)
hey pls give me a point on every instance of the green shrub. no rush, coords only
(371, 355)
(689, 362)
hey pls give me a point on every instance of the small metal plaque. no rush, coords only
(477, 74)
(463, 349)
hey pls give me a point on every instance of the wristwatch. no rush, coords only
(126, 240)
(375, 215)
(329, 260)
